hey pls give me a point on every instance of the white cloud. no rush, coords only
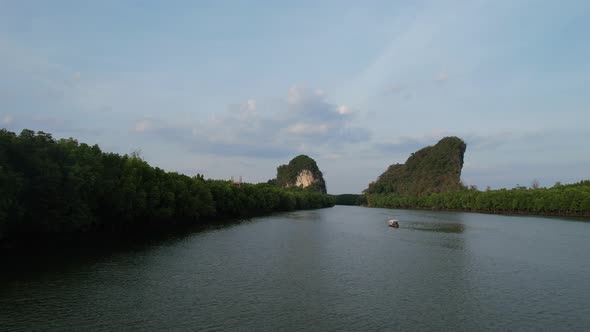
(266, 128)
(308, 129)
(442, 76)
(294, 95)
(142, 125)
(343, 109)
(250, 105)
(7, 119)
(246, 111)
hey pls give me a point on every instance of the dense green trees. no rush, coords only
(430, 178)
(431, 169)
(287, 174)
(348, 199)
(567, 200)
(50, 186)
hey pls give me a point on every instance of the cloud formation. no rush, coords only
(442, 76)
(479, 70)
(7, 119)
(302, 122)
(142, 125)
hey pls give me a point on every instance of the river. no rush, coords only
(332, 269)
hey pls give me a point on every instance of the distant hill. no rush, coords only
(302, 171)
(432, 169)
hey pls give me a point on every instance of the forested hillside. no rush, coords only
(432, 169)
(50, 186)
(302, 171)
(430, 179)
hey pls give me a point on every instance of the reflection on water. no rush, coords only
(303, 215)
(326, 270)
(436, 227)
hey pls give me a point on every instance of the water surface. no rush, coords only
(328, 270)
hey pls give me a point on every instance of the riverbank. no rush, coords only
(572, 200)
(34, 243)
(61, 189)
(583, 217)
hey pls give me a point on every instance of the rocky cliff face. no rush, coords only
(304, 179)
(432, 169)
(302, 171)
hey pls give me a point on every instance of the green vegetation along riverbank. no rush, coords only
(349, 199)
(559, 200)
(51, 187)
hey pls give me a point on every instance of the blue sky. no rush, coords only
(230, 88)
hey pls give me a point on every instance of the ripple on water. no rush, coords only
(328, 270)
(436, 227)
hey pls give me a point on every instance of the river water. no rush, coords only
(333, 269)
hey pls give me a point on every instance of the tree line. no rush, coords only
(349, 199)
(50, 186)
(565, 200)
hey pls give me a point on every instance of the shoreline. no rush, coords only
(585, 215)
(32, 243)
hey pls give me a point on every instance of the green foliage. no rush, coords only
(573, 200)
(348, 199)
(432, 169)
(287, 174)
(50, 186)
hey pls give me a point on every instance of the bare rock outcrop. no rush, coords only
(302, 171)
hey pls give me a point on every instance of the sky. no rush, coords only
(237, 88)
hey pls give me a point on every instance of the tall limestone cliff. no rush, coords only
(432, 169)
(302, 171)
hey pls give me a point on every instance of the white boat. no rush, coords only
(393, 223)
